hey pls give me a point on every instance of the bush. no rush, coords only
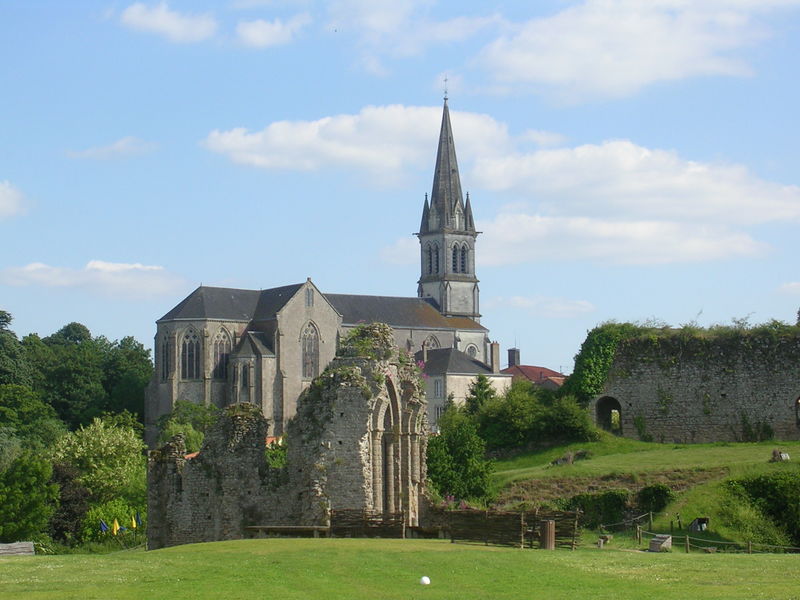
(27, 499)
(567, 421)
(107, 512)
(775, 495)
(654, 498)
(600, 508)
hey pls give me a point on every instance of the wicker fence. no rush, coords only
(360, 523)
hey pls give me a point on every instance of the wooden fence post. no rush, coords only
(687, 543)
(638, 535)
(749, 547)
(651, 520)
(522, 529)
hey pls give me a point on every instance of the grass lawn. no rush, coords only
(618, 455)
(387, 569)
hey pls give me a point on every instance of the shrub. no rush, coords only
(655, 497)
(600, 508)
(108, 511)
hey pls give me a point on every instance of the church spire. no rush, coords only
(446, 195)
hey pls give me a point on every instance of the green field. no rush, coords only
(386, 569)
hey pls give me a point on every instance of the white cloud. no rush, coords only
(613, 48)
(175, 26)
(790, 288)
(401, 27)
(544, 139)
(543, 306)
(123, 147)
(384, 140)
(12, 202)
(116, 279)
(404, 251)
(516, 238)
(621, 179)
(261, 34)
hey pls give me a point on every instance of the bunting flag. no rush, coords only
(103, 526)
(115, 527)
(133, 522)
(138, 519)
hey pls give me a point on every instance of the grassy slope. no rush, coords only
(388, 569)
(621, 462)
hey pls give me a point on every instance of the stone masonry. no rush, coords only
(704, 390)
(358, 441)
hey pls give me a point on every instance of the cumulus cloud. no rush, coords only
(123, 147)
(401, 27)
(613, 48)
(516, 238)
(620, 178)
(404, 251)
(175, 26)
(12, 202)
(791, 288)
(115, 279)
(543, 306)
(383, 140)
(262, 34)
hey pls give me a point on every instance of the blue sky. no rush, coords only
(626, 159)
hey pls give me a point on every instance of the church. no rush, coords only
(222, 346)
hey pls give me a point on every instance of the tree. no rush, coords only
(457, 464)
(514, 419)
(73, 503)
(14, 368)
(27, 499)
(127, 370)
(31, 420)
(480, 392)
(109, 459)
(190, 419)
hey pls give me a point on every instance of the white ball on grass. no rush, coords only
(425, 580)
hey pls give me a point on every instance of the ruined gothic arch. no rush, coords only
(608, 414)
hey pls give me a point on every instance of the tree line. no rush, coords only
(71, 448)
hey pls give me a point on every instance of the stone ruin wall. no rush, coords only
(705, 392)
(358, 443)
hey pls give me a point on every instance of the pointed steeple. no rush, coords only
(446, 194)
(469, 222)
(423, 226)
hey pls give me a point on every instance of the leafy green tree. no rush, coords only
(27, 499)
(480, 392)
(14, 368)
(127, 370)
(457, 463)
(73, 503)
(109, 459)
(567, 421)
(514, 419)
(190, 419)
(30, 419)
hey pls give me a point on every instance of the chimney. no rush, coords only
(495, 355)
(513, 357)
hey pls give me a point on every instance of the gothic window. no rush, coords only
(431, 343)
(436, 258)
(430, 260)
(310, 349)
(245, 375)
(166, 358)
(455, 259)
(309, 297)
(190, 356)
(464, 252)
(472, 350)
(222, 350)
(437, 388)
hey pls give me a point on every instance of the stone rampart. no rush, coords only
(694, 389)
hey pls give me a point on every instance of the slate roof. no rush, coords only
(262, 305)
(452, 361)
(253, 343)
(395, 311)
(232, 304)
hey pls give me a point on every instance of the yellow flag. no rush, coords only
(115, 527)
(133, 522)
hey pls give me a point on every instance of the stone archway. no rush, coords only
(797, 413)
(608, 414)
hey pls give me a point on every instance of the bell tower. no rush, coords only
(447, 236)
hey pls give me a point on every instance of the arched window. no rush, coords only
(431, 343)
(472, 350)
(455, 259)
(464, 263)
(190, 356)
(310, 348)
(166, 358)
(436, 258)
(222, 350)
(430, 260)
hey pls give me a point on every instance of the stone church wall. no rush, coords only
(691, 391)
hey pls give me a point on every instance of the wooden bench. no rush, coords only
(290, 530)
